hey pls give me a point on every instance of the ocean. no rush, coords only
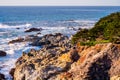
(52, 19)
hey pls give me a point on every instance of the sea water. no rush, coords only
(52, 19)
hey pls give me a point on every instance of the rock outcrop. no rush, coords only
(46, 62)
(3, 53)
(99, 62)
(58, 60)
(57, 39)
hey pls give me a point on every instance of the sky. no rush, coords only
(59, 2)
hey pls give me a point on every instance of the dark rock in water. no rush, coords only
(16, 40)
(38, 33)
(2, 76)
(18, 28)
(12, 72)
(2, 53)
(33, 29)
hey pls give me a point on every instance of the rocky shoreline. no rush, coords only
(58, 59)
(86, 56)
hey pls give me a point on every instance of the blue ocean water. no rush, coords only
(35, 14)
(51, 19)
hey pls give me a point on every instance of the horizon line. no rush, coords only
(56, 5)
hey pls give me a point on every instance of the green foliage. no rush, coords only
(107, 28)
(92, 43)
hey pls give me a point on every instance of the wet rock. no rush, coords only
(31, 38)
(12, 72)
(2, 76)
(33, 29)
(16, 40)
(18, 28)
(2, 53)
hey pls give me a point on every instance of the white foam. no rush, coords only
(14, 51)
(53, 28)
(27, 25)
(27, 49)
(7, 65)
(80, 21)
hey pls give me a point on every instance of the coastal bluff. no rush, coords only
(99, 62)
(86, 56)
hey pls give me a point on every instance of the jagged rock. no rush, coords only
(12, 72)
(41, 65)
(57, 61)
(33, 29)
(3, 53)
(44, 63)
(2, 76)
(54, 40)
(16, 40)
(31, 38)
(99, 62)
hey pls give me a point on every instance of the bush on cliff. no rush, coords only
(107, 29)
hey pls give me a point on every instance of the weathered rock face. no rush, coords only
(2, 77)
(100, 62)
(57, 61)
(3, 53)
(46, 62)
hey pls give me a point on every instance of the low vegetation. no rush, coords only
(107, 29)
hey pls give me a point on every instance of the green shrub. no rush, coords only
(107, 28)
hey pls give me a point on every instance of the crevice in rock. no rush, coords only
(99, 69)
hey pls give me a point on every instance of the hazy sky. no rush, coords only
(61, 2)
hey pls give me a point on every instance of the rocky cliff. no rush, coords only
(60, 61)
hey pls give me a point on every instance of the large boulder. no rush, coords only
(3, 53)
